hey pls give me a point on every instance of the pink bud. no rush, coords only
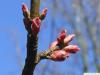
(72, 48)
(62, 36)
(24, 8)
(44, 12)
(69, 38)
(36, 25)
(59, 55)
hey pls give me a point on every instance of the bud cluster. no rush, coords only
(62, 41)
(32, 25)
(64, 52)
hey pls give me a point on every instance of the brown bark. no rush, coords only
(32, 40)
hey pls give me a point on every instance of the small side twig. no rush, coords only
(46, 54)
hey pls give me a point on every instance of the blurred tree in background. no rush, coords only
(81, 17)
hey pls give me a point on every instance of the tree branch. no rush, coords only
(31, 59)
(35, 4)
(46, 54)
(58, 50)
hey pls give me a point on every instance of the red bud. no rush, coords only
(62, 36)
(36, 25)
(72, 48)
(59, 55)
(44, 12)
(69, 38)
(24, 8)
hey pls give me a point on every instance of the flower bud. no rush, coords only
(59, 55)
(25, 10)
(36, 25)
(71, 48)
(60, 39)
(62, 36)
(43, 14)
(69, 38)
